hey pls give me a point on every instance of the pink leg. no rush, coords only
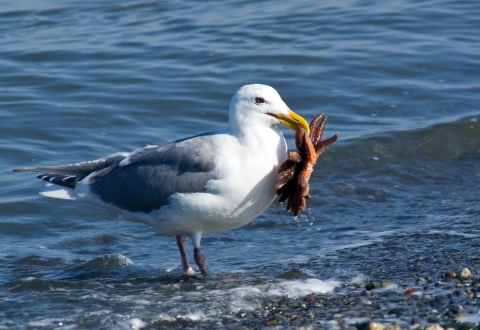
(186, 269)
(200, 261)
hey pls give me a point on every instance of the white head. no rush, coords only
(260, 105)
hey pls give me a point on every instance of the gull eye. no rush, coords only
(259, 100)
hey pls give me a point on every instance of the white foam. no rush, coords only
(303, 287)
(359, 279)
(179, 314)
(136, 323)
(194, 316)
(165, 317)
(144, 302)
(250, 298)
(43, 323)
(244, 298)
(453, 233)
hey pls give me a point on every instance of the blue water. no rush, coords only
(399, 82)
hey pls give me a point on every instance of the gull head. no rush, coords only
(261, 105)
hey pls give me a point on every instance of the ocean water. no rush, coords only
(399, 82)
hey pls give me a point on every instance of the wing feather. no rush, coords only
(151, 175)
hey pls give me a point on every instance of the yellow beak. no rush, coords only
(292, 120)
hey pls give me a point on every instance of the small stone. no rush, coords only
(451, 326)
(292, 274)
(298, 318)
(414, 322)
(311, 298)
(461, 315)
(465, 273)
(397, 325)
(450, 274)
(467, 326)
(433, 327)
(460, 293)
(376, 326)
(271, 322)
(386, 284)
(372, 285)
(433, 318)
(409, 291)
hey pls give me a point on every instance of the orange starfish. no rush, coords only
(295, 171)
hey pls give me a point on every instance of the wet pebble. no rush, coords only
(433, 327)
(450, 274)
(373, 326)
(311, 298)
(465, 273)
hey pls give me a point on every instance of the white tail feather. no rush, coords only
(54, 191)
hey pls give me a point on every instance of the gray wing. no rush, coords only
(145, 180)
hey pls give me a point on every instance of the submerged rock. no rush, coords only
(373, 285)
(292, 274)
(377, 284)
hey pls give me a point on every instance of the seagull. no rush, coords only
(204, 184)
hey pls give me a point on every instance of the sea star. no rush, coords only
(295, 171)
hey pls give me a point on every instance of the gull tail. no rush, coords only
(65, 180)
(68, 176)
(54, 191)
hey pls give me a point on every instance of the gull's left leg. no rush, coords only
(199, 258)
(186, 269)
(200, 261)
